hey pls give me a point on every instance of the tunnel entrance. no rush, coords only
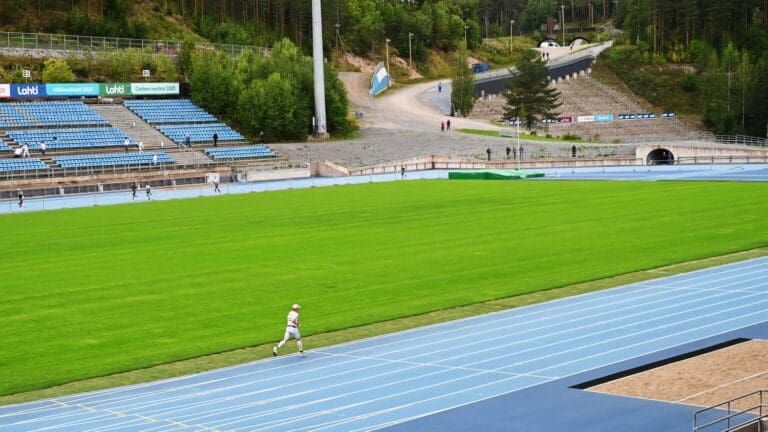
(660, 157)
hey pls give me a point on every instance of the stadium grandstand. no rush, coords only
(112, 141)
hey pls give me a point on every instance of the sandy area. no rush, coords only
(704, 380)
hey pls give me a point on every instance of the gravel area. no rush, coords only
(381, 145)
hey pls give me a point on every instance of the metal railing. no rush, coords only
(702, 137)
(57, 42)
(733, 419)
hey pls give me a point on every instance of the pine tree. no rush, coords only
(529, 95)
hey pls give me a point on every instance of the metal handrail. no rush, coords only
(757, 410)
(50, 41)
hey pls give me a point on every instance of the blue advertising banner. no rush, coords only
(81, 89)
(28, 90)
(603, 117)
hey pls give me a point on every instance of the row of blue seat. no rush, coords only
(242, 152)
(113, 159)
(70, 138)
(52, 113)
(201, 132)
(169, 111)
(26, 164)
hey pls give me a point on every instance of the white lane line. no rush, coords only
(721, 386)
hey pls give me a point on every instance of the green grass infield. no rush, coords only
(99, 291)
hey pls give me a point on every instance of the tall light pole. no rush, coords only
(386, 43)
(410, 57)
(321, 129)
(511, 26)
(465, 34)
(562, 21)
(337, 35)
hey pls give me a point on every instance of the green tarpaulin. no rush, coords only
(493, 174)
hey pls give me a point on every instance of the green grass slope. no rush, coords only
(90, 292)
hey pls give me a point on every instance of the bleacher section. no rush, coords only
(223, 153)
(112, 159)
(4, 147)
(59, 113)
(27, 164)
(75, 138)
(201, 132)
(169, 111)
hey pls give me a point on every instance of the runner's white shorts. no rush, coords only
(292, 331)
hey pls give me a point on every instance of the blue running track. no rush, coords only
(470, 374)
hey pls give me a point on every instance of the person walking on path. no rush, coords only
(448, 124)
(149, 192)
(21, 198)
(133, 191)
(439, 86)
(216, 186)
(291, 329)
(442, 126)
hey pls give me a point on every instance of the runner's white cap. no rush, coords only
(296, 306)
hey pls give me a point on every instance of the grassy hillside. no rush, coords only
(96, 291)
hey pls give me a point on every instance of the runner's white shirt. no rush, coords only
(293, 319)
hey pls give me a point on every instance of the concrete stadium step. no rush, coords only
(124, 119)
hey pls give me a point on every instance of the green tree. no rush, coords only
(528, 94)
(57, 71)
(462, 92)
(162, 68)
(211, 82)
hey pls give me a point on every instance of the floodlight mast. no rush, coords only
(321, 129)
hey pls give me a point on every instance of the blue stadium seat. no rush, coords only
(26, 164)
(72, 138)
(112, 159)
(50, 113)
(243, 152)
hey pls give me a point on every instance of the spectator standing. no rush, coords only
(442, 126)
(261, 137)
(215, 139)
(21, 198)
(42, 148)
(149, 192)
(521, 152)
(25, 150)
(133, 124)
(126, 143)
(141, 146)
(439, 86)
(291, 329)
(154, 159)
(448, 124)
(514, 153)
(488, 151)
(216, 186)
(509, 150)
(133, 191)
(188, 141)
(402, 172)
(573, 151)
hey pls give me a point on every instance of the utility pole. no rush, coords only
(410, 57)
(386, 43)
(511, 25)
(321, 129)
(562, 20)
(465, 34)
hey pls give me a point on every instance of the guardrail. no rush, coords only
(59, 42)
(704, 137)
(731, 419)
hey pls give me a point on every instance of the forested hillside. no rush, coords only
(711, 51)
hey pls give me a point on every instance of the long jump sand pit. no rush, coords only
(705, 380)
